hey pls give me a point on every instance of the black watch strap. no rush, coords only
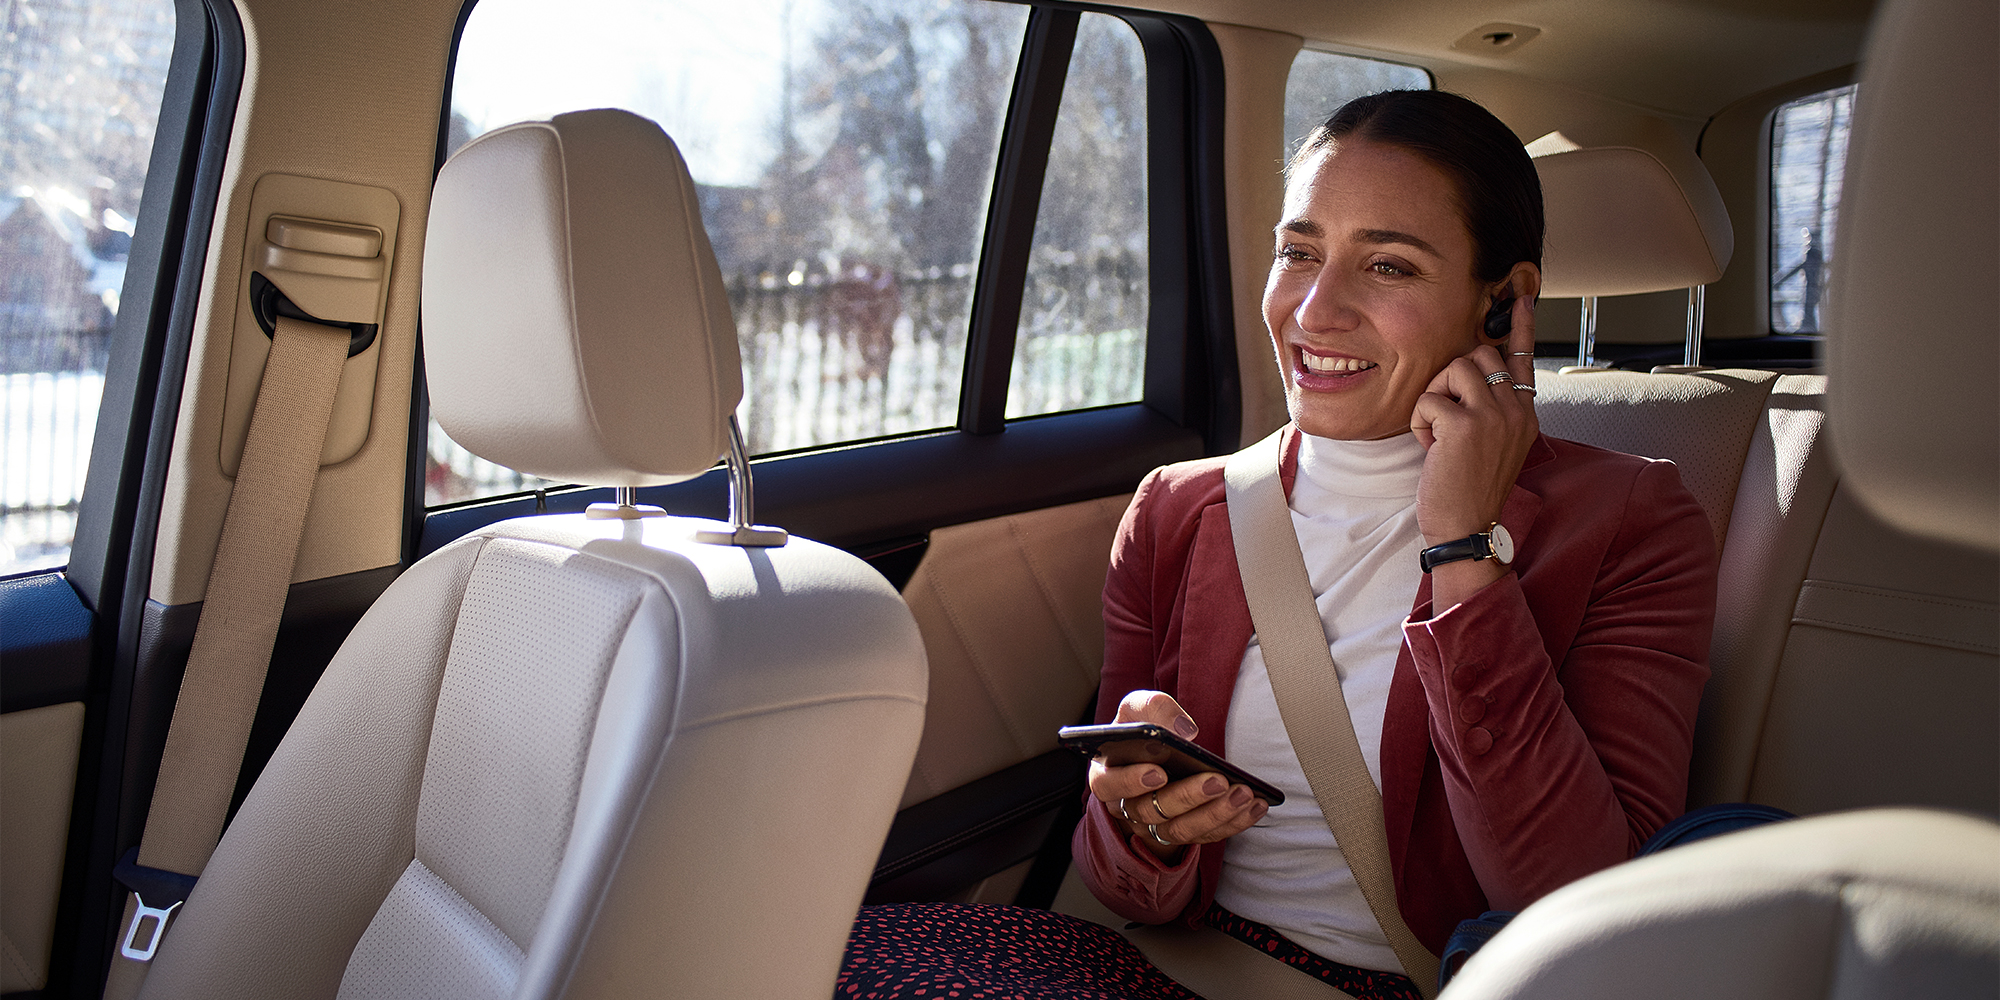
(1478, 546)
(1448, 552)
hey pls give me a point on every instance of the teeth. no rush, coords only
(1318, 364)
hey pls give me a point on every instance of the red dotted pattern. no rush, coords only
(979, 952)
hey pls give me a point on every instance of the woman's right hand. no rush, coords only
(1203, 809)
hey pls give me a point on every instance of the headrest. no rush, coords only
(1913, 352)
(575, 323)
(1630, 209)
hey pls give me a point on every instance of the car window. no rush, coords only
(1082, 335)
(844, 153)
(1320, 82)
(1808, 153)
(83, 82)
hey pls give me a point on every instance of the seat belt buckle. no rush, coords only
(140, 914)
(168, 890)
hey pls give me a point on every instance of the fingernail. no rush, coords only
(1214, 785)
(1257, 811)
(1240, 797)
(1185, 727)
(1153, 779)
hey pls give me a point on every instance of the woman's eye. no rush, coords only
(1389, 269)
(1290, 253)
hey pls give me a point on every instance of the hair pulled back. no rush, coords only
(1499, 193)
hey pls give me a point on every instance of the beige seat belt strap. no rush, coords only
(1307, 687)
(246, 592)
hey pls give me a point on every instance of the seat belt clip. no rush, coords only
(168, 891)
(144, 952)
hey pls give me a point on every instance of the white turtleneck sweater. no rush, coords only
(1354, 506)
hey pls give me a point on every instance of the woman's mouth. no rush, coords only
(1319, 365)
(1320, 373)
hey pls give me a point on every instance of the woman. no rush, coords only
(1527, 722)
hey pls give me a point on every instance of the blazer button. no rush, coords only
(1478, 741)
(1471, 710)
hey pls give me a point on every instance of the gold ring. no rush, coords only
(1524, 388)
(1495, 378)
(1156, 808)
(1154, 829)
(1521, 354)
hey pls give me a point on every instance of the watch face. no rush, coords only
(1503, 544)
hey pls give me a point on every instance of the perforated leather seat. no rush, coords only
(567, 755)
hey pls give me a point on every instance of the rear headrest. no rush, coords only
(1912, 333)
(1630, 209)
(575, 323)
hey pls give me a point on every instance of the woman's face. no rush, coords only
(1372, 291)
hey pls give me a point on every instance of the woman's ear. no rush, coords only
(1524, 279)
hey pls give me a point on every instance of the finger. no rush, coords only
(1521, 343)
(1109, 784)
(1183, 797)
(1220, 819)
(1158, 708)
(1487, 361)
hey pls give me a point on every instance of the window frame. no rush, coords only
(988, 465)
(118, 516)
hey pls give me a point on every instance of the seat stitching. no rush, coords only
(15, 958)
(979, 670)
(801, 703)
(1049, 602)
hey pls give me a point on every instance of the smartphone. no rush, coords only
(1122, 743)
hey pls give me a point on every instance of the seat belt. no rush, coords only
(1307, 687)
(247, 585)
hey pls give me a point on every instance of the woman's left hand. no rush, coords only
(1476, 433)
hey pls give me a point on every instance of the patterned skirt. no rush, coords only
(976, 952)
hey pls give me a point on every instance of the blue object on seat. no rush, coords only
(1710, 821)
(1698, 824)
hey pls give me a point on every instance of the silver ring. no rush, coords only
(1495, 378)
(1154, 829)
(1164, 818)
(1521, 354)
(1127, 813)
(1524, 388)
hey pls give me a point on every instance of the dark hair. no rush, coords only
(1500, 195)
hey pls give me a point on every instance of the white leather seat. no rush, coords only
(1883, 903)
(573, 756)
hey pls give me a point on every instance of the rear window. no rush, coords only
(1808, 153)
(843, 152)
(1320, 82)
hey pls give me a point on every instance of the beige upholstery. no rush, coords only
(1884, 903)
(38, 750)
(1854, 664)
(572, 756)
(1630, 209)
(1914, 352)
(1012, 615)
(1703, 423)
(543, 281)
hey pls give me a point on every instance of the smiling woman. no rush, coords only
(1525, 712)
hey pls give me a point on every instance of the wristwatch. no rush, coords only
(1493, 543)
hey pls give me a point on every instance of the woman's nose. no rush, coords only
(1326, 306)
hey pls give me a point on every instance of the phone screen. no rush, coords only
(1123, 743)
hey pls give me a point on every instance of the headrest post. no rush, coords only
(1586, 333)
(742, 502)
(1697, 307)
(742, 492)
(625, 506)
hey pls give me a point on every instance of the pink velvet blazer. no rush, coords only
(1536, 733)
